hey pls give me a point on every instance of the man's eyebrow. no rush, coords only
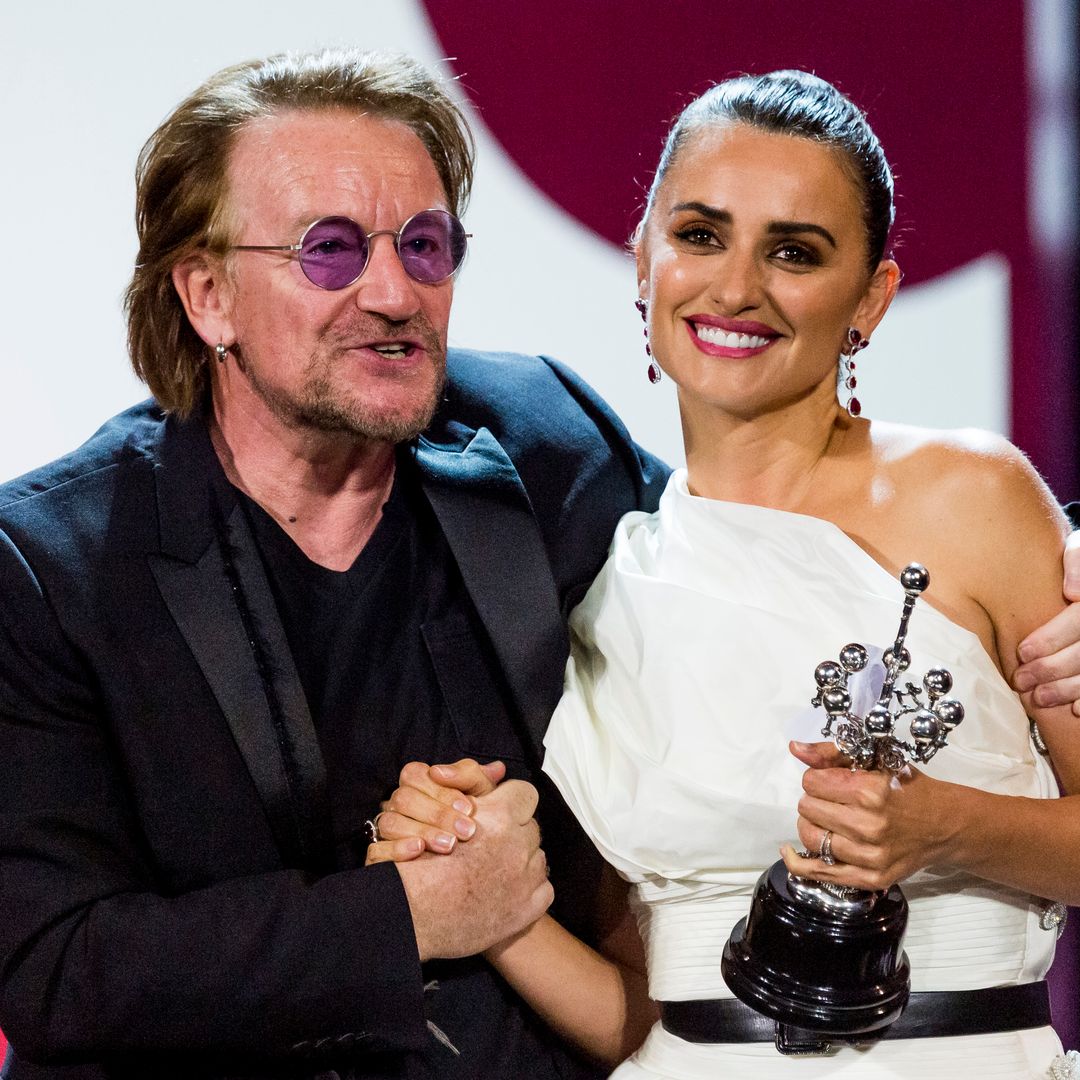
(775, 228)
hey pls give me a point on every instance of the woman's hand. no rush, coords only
(884, 827)
(431, 809)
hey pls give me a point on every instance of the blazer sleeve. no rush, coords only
(98, 964)
(607, 476)
(645, 473)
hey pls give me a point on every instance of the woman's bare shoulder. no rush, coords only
(909, 444)
(977, 471)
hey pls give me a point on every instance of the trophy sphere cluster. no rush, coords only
(870, 741)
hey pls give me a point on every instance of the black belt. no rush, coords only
(927, 1015)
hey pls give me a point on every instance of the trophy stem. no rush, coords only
(895, 655)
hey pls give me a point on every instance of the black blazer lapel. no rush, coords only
(487, 519)
(211, 578)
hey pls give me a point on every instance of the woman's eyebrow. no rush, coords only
(775, 228)
(711, 212)
(780, 227)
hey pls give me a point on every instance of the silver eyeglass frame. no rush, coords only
(369, 236)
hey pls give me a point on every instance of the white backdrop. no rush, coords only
(83, 84)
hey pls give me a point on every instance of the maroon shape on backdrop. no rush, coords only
(580, 96)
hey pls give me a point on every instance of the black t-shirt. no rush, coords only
(392, 657)
(396, 667)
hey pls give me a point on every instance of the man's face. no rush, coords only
(368, 360)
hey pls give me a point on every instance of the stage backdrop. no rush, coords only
(570, 102)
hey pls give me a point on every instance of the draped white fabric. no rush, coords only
(691, 668)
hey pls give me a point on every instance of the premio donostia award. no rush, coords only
(825, 961)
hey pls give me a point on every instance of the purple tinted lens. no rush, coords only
(333, 252)
(431, 245)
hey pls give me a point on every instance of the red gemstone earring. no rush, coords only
(855, 344)
(654, 367)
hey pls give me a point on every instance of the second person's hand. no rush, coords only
(431, 809)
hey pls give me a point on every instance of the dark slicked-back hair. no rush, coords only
(796, 103)
(181, 181)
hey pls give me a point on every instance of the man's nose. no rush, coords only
(385, 288)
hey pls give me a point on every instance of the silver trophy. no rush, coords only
(825, 960)
(870, 741)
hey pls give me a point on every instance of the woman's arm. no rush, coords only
(1016, 578)
(598, 1000)
(884, 828)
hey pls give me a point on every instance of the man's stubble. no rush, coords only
(323, 407)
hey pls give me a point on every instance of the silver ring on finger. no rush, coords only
(371, 827)
(825, 849)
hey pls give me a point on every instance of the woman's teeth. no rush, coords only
(715, 336)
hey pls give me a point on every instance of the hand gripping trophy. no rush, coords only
(824, 960)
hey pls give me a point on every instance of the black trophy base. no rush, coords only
(809, 959)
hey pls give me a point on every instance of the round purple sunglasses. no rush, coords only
(334, 251)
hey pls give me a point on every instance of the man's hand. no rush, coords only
(1050, 656)
(495, 886)
(432, 808)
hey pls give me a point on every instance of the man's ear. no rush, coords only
(879, 295)
(203, 287)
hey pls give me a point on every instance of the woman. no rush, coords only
(761, 260)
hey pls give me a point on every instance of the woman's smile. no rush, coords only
(735, 339)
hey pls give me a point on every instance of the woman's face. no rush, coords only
(754, 264)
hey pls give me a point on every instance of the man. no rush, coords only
(229, 618)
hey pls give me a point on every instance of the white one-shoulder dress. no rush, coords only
(691, 667)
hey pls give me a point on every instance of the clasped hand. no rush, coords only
(432, 808)
(494, 886)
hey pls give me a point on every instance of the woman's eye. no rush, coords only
(697, 236)
(798, 254)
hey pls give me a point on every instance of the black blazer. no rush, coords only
(163, 823)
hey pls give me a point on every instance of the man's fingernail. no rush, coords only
(463, 806)
(1024, 681)
(464, 828)
(800, 745)
(1026, 651)
(414, 845)
(443, 842)
(447, 772)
